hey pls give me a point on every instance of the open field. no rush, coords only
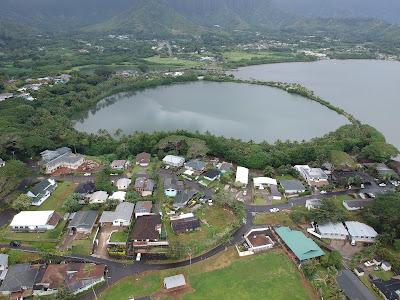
(280, 218)
(216, 224)
(226, 276)
(19, 257)
(173, 61)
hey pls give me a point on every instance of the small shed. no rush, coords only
(175, 282)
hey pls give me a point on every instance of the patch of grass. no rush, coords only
(383, 274)
(340, 158)
(173, 61)
(82, 247)
(225, 276)
(19, 257)
(56, 199)
(119, 236)
(280, 218)
(216, 221)
(259, 201)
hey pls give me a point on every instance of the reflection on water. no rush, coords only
(234, 110)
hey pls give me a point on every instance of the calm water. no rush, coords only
(369, 89)
(233, 110)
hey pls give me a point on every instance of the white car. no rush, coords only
(382, 184)
(274, 210)
(371, 195)
(323, 192)
(87, 174)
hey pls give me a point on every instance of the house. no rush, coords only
(120, 165)
(2, 163)
(42, 191)
(313, 203)
(360, 232)
(386, 266)
(185, 224)
(258, 239)
(143, 208)
(82, 222)
(359, 271)
(182, 198)
(172, 186)
(3, 266)
(275, 193)
(174, 161)
(242, 176)
(146, 229)
(174, 282)
(263, 182)
(85, 188)
(143, 159)
(195, 165)
(352, 205)
(292, 187)
(98, 197)
(389, 289)
(19, 281)
(302, 247)
(212, 175)
(332, 231)
(383, 170)
(123, 183)
(120, 217)
(315, 177)
(74, 277)
(120, 196)
(224, 167)
(35, 221)
(6, 96)
(60, 158)
(144, 186)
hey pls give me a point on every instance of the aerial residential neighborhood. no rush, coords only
(199, 149)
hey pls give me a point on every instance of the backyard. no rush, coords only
(216, 221)
(56, 200)
(225, 276)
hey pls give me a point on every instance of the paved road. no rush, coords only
(352, 287)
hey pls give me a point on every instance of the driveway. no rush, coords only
(352, 287)
(104, 234)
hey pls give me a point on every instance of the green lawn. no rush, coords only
(119, 236)
(226, 276)
(279, 218)
(216, 221)
(56, 199)
(173, 61)
(19, 257)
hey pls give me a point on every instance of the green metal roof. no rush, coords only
(303, 247)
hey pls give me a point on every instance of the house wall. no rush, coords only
(333, 236)
(146, 193)
(170, 192)
(366, 239)
(30, 228)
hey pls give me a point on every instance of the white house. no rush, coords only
(263, 182)
(120, 165)
(332, 231)
(242, 175)
(61, 158)
(120, 196)
(360, 232)
(315, 177)
(3, 266)
(174, 282)
(313, 203)
(35, 221)
(42, 191)
(98, 197)
(386, 266)
(120, 217)
(123, 183)
(174, 161)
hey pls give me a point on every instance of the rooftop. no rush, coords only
(174, 281)
(292, 185)
(147, 228)
(18, 276)
(360, 229)
(32, 218)
(123, 211)
(83, 219)
(303, 247)
(332, 228)
(242, 175)
(143, 206)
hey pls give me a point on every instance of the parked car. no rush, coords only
(371, 195)
(274, 210)
(15, 244)
(323, 192)
(87, 174)
(382, 184)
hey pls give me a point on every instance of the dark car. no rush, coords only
(15, 244)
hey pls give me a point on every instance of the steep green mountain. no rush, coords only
(148, 18)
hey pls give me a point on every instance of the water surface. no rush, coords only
(368, 89)
(248, 112)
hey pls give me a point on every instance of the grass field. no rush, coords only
(225, 276)
(238, 57)
(216, 223)
(56, 199)
(20, 257)
(119, 236)
(173, 61)
(280, 218)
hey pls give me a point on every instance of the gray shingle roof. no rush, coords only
(83, 219)
(292, 185)
(18, 276)
(123, 211)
